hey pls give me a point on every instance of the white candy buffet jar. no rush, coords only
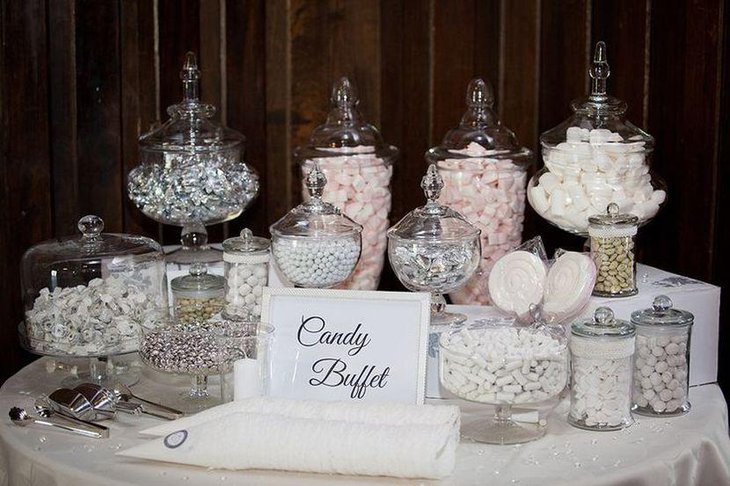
(594, 158)
(358, 165)
(246, 267)
(314, 244)
(661, 368)
(602, 351)
(485, 172)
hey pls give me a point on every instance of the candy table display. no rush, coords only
(358, 165)
(594, 158)
(485, 171)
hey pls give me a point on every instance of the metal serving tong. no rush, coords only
(124, 394)
(23, 418)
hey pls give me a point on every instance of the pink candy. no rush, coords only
(491, 195)
(359, 184)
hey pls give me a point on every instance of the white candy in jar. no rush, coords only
(490, 193)
(317, 263)
(359, 184)
(503, 365)
(245, 284)
(661, 367)
(601, 364)
(102, 316)
(590, 170)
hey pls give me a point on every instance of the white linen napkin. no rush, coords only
(344, 438)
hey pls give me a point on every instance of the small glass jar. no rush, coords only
(198, 296)
(244, 349)
(602, 351)
(246, 266)
(485, 172)
(358, 165)
(314, 244)
(434, 249)
(661, 369)
(89, 295)
(594, 158)
(612, 249)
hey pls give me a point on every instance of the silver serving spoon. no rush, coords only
(20, 417)
(43, 409)
(124, 394)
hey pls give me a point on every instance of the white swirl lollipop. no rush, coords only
(568, 285)
(516, 282)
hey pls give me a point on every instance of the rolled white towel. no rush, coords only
(268, 441)
(366, 413)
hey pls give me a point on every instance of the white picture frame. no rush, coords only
(340, 345)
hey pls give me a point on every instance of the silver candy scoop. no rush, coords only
(43, 408)
(20, 417)
(124, 394)
(73, 404)
(105, 402)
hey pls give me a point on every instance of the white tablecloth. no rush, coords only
(694, 449)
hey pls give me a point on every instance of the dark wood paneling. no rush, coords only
(25, 163)
(246, 103)
(684, 102)
(98, 98)
(139, 98)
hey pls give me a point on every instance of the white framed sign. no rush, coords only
(347, 344)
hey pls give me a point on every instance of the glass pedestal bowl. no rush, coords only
(504, 366)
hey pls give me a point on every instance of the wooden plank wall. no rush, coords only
(81, 79)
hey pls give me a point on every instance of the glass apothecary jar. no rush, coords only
(484, 169)
(602, 352)
(358, 165)
(88, 295)
(198, 296)
(191, 172)
(661, 368)
(246, 266)
(594, 158)
(612, 249)
(434, 249)
(315, 245)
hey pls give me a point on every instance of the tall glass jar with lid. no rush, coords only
(484, 169)
(594, 158)
(358, 165)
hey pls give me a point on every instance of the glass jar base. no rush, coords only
(648, 412)
(185, 256)
(191, 402)
(502, 432)
(623, 293)
(600, 428)
(444, 318)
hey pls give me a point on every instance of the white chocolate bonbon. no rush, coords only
(591, 169)
(503, 365)
(359, 184)
(660, 373)
(490, 193)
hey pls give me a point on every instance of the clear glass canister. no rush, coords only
(612, 249)
(358, 165)
(314, 244)
(191, 171)
(661, 369)
(594, 158)
(434, 249)
(246, 266)
(485, 172)
(89, 295)
(602, 351)
(198, 296)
